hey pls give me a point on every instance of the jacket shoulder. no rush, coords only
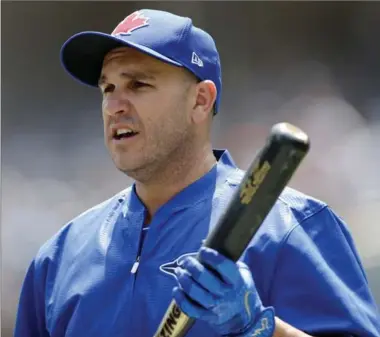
(83, 224)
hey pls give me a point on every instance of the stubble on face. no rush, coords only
(167, 138)
(168, 148)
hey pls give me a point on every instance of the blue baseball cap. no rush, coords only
(166, 36)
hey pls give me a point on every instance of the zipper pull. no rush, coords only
(135, 265)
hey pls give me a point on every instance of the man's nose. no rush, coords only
(116, 105)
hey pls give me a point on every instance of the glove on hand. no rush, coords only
(222, 293)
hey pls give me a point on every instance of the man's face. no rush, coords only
(145, 110)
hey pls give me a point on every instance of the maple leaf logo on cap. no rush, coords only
(130, 23)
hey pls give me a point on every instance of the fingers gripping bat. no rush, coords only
(257, 193)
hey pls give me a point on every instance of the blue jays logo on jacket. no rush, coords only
(169, 267)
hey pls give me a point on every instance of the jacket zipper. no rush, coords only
(135, 265)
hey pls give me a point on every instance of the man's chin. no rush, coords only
(126, 162)
(138, 171)
(130, 169)
(126, 169)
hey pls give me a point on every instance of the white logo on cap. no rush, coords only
(196, 60)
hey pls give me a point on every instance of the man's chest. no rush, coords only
(102, 292)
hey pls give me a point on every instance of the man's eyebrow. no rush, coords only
(133, 75)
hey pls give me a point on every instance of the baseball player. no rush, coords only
(113, 270)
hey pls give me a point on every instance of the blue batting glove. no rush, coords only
(222, 293)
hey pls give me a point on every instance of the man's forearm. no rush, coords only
(283, 329)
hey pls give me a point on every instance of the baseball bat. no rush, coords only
(262, 184)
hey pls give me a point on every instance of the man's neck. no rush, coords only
(158, 192)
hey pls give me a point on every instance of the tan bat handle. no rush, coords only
(175, 322)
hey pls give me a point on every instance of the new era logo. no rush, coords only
(196, 60)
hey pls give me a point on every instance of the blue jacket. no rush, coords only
(95, 278)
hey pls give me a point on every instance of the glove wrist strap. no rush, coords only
(263, 326)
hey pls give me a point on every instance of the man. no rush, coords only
(113, 270)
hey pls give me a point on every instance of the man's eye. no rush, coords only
(138, 84)
(108, 88)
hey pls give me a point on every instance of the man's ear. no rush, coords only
(204, 101)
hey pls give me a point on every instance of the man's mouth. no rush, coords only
(124, 133)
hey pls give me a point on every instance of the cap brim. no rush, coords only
(82, 55)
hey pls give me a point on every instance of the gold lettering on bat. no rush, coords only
(173, 323)
(253, 182)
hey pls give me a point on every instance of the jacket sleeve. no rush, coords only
(319, 284)
(30, 318)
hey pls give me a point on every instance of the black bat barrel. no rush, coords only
(262, 184)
